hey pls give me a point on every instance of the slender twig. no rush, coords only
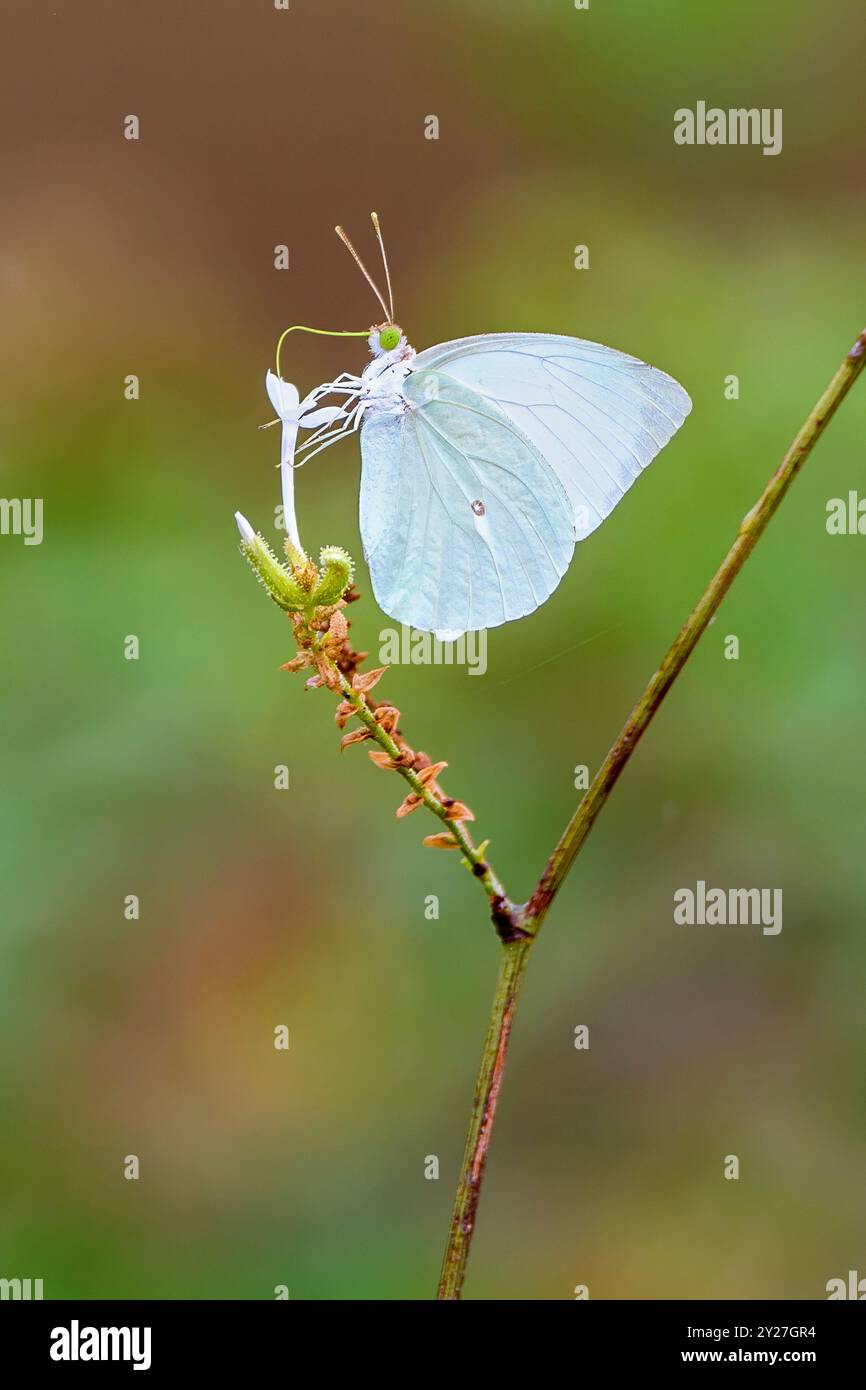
(487, 1087)
(531, 916)
(502, 910)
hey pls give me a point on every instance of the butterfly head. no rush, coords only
(387, 340)
(389, 336)
(387, 344)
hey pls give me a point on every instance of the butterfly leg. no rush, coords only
(350, 425)
(345, 385)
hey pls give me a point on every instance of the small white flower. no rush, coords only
(286, 402)
(294, 413)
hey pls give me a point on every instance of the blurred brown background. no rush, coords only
(155, 777)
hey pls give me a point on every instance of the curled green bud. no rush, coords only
(336, 570)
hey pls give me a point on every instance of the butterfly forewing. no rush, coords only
(596, 415)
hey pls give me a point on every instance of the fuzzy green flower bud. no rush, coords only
(336, 570)
(282, 586)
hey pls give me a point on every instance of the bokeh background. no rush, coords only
(306, 907)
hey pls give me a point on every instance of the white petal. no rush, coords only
(287, 479)
(282, 395)
(325, 416)
(246, 530)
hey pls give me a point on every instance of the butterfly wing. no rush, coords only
(596, 415)
(464, 524)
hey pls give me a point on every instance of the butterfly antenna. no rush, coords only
(363, 269)
(374, 218)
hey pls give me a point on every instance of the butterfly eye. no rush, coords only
(389, 337)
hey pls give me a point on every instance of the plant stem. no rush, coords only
(504, 913)
(487, 1087)
(531, 916)
(751, 528)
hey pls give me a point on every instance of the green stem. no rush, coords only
(530, 917)
(751, 529)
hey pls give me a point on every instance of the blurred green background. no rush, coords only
(306, 907)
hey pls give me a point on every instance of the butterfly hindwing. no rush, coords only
(465, 525)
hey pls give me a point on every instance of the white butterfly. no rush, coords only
(484, 461)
